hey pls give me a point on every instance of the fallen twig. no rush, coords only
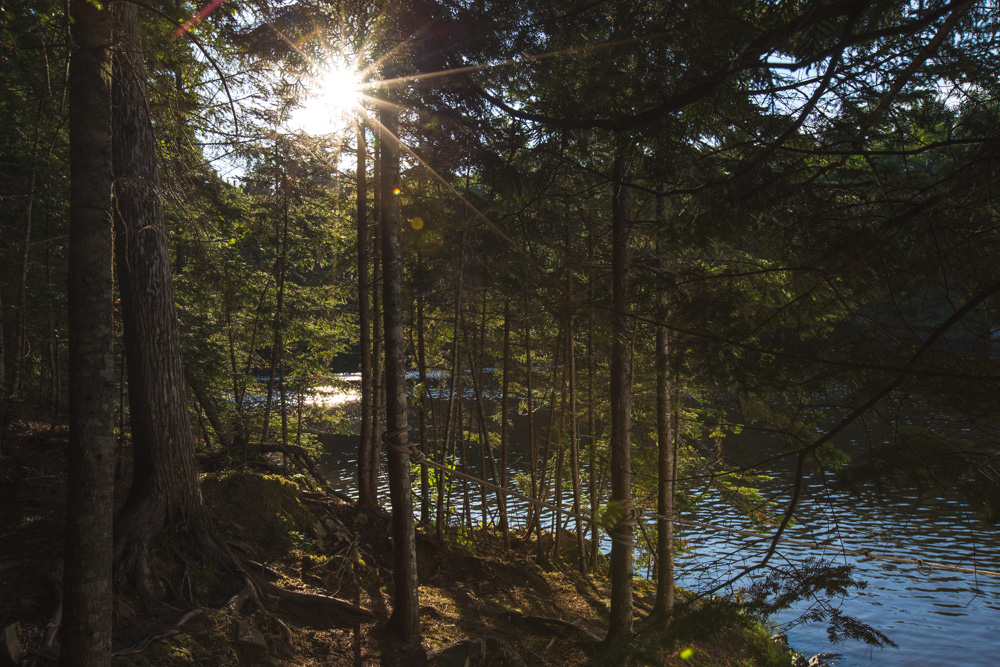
(170, 632)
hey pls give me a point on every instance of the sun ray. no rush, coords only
(374, 123)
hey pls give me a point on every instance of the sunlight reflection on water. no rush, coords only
(928, 613)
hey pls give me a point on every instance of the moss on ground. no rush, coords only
(259, 510)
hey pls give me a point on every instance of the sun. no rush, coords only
(334, 97)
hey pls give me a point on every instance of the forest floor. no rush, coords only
(481, 603)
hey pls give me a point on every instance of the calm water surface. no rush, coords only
(937, 617)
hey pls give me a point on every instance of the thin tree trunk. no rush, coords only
(530, 400)
(378, 340)
(367, 492)
(595, 496)
(463, 440)
(283, 396)
(504, 391)
(405, 619)
(574, 442)
(210, 410)
(665, 455)
(21, 319)
(484, 434)
(300, 400)
(425, 402)
(557, 485)
(452, 395)
(86, 628)
(53, 344)
(620, 616)
(574, 425)
(544, 459)
(276, 345)
(451, 446)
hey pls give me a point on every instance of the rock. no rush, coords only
(125, 612)
(476, 653)
(780, 638)
(10, 646)
(800, 661)
(248, 634)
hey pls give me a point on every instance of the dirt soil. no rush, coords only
(481, 603)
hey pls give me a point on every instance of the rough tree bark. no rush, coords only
(620, 617)
(405, 619)
(86, 629)
(165, 489)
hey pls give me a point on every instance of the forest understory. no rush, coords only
(480, 604)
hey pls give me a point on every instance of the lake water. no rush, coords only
(936, 616)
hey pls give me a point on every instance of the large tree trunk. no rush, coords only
(405, 619)
(165, 489)
(86, 630)
(622, 541)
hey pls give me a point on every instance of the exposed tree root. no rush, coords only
(141, 645)
(246, 593)
(343, 614)
(545, 620)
